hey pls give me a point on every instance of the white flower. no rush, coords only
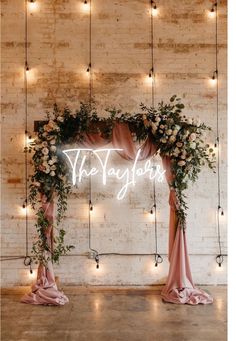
(169, 132)
(45, 164)
(183, 156)
(192, 145)
(52, 173)
(53, 141)
(36, 184)
(45, 157)
(175, 132)
(162, 126)
(177, 127)
(176, 151)
(54, 159)
(60, 119)
(47, 170)
(45, 151)
(189, 158)
(53, 148)
(172, 138)
(192, 137)
(157, 119)
(44, 143)
(53, 167)
(179, 144)
(181, 163)
(163, 140)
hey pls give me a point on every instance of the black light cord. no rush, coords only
(219, 257)
(90, 54)
(152, 71)
(90, 209)
(26, 132)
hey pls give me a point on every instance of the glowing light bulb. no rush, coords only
(212, 13)
(154, 11)
(86, 6)
(32, 5)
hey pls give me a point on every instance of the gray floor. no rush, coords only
(112, 314)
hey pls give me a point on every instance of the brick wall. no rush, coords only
(184, 38)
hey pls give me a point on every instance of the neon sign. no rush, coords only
(77, 159)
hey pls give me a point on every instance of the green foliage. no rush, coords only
(179, 138)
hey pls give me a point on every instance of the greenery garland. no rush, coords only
(176, 136)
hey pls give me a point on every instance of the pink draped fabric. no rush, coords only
(179, 287)
(45, 290)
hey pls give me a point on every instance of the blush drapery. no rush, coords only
(179, 287)
(45, 290)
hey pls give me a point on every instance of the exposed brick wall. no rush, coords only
(184, 40)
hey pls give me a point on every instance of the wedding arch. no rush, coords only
(163, 129)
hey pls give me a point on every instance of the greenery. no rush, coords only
(176, 136)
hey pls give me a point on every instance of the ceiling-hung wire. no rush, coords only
(219, 257)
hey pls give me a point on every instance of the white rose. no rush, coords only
(192, 137)
(45, 151)
(162, 126)
(53, 167)
(172, 138)
(163, 140)
(160, 131)
(60, 119)
(177, 127)
(176, 150)
(44, 143)
(53, 141)
(54, 159)
(192, 145)
(53, 148)
(181, 163)
(45, 157)
(157, 119)
(47, 170)
(169, 132)
(45, 164)
(36, 184)
(52, 173)
(183, 156)
(175, 132)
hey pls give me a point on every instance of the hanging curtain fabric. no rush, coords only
(45, 290)
(179, 286)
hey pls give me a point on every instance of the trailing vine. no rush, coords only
(177, 137)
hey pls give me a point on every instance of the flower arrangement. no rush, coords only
(176, 136)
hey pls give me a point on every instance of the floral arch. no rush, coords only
(178, 140)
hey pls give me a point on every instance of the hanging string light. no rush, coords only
(158, 258)
(151, 73)
(26, 141)
(213, 11)
(154, 9)
(220, 211)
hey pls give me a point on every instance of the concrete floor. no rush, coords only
(113, 314)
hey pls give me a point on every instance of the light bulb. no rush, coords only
(86, 6)
(212, 13)
(154, 11)
(32, 5)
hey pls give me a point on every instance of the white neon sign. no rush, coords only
(77, 162)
